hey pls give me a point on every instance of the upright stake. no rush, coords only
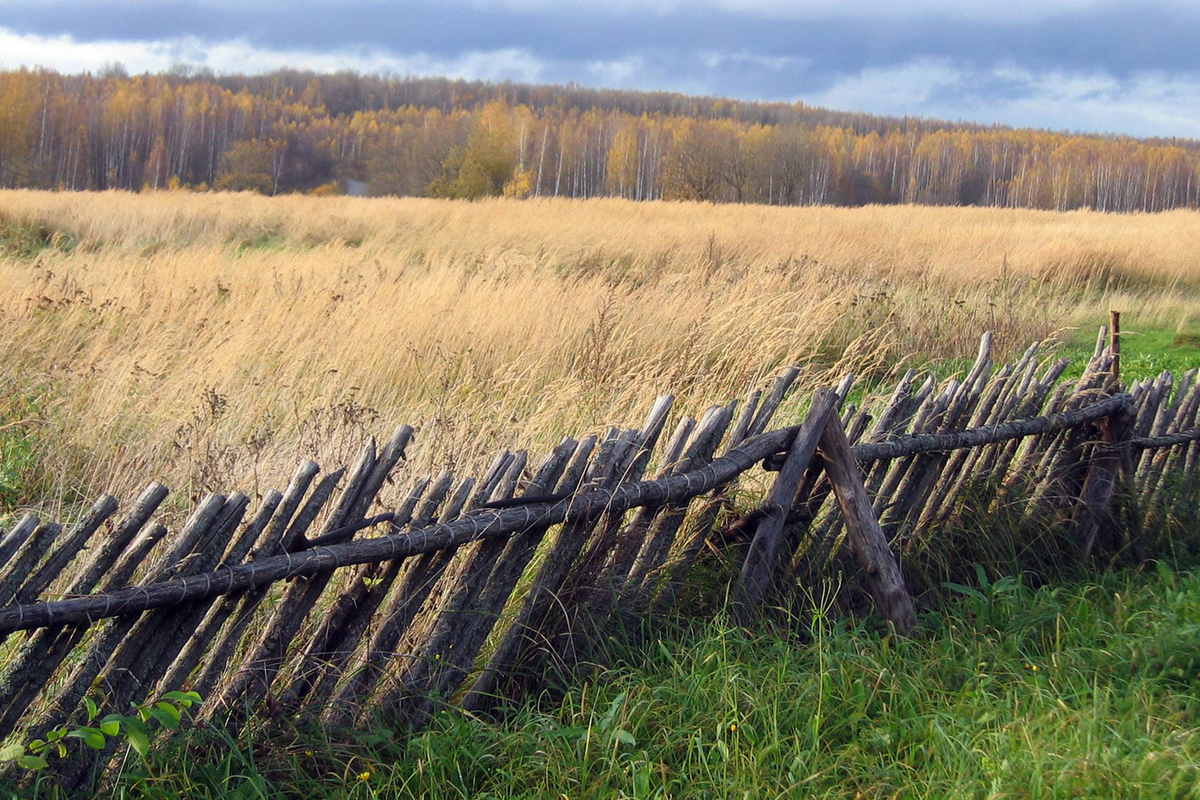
(863, 533)
(1093, 512)
(1114, 329)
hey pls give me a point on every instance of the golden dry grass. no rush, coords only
(211, 339)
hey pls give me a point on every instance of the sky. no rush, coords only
(1126, 67)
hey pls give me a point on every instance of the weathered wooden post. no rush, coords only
(758, 567)
(1094, 509)
(863, 533)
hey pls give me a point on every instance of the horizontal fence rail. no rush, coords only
(473, 590)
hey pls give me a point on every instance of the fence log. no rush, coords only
(863, 533)
(892, 421)
(162, 644)
(624, 543)
(762, 557)
(540, 617)
(471, 566)
(1184, 505)
(959, 465)
(68, 548)
(771, 404)
(518, 551)
(636, 537)
(469, 614)
(1095, 501)
(558, 628)
(1000, 458)
(660, 584)
(231, 687)
(896, 471)
(269, 653)
(741, 428)
(362, 671)
(370, 589)
(146, 650)
(482, 691)
(16, 571)
(37, 660)
(208, 629)
(1182, 417)
(34, 662)
(650, 567)
(67, 700)
(430, 645)
(656, 540)
(1157, 414)
(12, 541)
(237, 610)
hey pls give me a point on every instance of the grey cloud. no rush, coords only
(979, 86)
(1118, 41)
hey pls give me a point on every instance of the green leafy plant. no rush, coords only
(988, 592)
(167, 712)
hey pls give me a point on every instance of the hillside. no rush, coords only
(293, 131)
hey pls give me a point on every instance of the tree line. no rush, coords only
(295, 131)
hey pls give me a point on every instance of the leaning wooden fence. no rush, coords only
(471, 589)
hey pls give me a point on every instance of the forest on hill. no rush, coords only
(293, 131)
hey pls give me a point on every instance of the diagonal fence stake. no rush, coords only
(759, 565)
(862, 529)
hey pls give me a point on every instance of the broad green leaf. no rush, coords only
(965, 590)
(139, 741)
(607, 720)
(32, 762)
(165, 718)
(169, 708)
(981, 575)
(92, 737)
(185, 699)
(566, 733)
(12, 752)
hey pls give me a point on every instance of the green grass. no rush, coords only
(263, 240)
(1085, 690)
(25, 240)
(22, 411)
(1145, 352)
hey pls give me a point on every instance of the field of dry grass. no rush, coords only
(212, 340)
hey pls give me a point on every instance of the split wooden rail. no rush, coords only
(472, 590)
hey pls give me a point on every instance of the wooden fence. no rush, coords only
(473, 589)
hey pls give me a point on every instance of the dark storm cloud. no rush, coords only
(738, 53)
